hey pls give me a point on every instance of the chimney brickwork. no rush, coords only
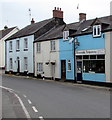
(57, 13)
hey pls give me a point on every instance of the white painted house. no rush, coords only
(20, 49)
(4, 34)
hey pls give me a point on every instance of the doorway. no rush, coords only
(79, 70)
(63, 69)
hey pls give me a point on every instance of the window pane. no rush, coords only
(69, 65)
(100, 56)
(86, 57)
(92, 56)
(78, 57)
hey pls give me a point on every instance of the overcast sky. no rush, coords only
(15, 12)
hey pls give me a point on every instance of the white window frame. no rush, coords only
(38, 47)
(69, 65)
(40, 67)
(65, 35)
(17, 44)
(97, 28)
(25, 63)
(53, 45)
(11, 63)
(10, 46)
(25, 43)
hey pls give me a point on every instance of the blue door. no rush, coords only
(79, 70)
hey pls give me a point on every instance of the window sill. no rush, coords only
(17, 50)
(68, 70)
(10, 51)
(96, 36)
(26, 49)
(53, 51)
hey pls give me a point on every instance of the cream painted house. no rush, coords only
(47, 59)
(4, 34)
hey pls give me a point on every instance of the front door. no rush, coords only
(53, 71)
(79, 70)
(63, 69)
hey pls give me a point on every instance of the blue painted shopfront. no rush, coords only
(88, 42)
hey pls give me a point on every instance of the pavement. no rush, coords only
(11, 107)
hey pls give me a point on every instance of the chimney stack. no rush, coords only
(57, 13)
(32, 21)
(82, 16)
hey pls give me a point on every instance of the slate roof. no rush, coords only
(105, 21)
(5, 32)
(30, 29)
(55, 33)
(77, 28)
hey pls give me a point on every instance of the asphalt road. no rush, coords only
(46, 99)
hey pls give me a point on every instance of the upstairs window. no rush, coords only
(25, 44)
(65, 35)
(38, 47)
(53, 46)
(97, 31)
(17, 45)
(10, 46)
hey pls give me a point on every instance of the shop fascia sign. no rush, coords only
(90, 52)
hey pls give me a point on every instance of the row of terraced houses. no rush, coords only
(79, 51)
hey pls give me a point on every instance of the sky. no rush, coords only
(16, 12)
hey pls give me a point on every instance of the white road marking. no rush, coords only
(40, 117)
(24, 109)
(34, 108)
(24, 96)
(29, 101)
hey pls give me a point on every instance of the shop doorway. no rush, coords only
(79, 70)
(63, 69)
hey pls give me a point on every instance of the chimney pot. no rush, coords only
(32, 21)
(5, 27)
(82, 16)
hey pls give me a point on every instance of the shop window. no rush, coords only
(94, 66)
